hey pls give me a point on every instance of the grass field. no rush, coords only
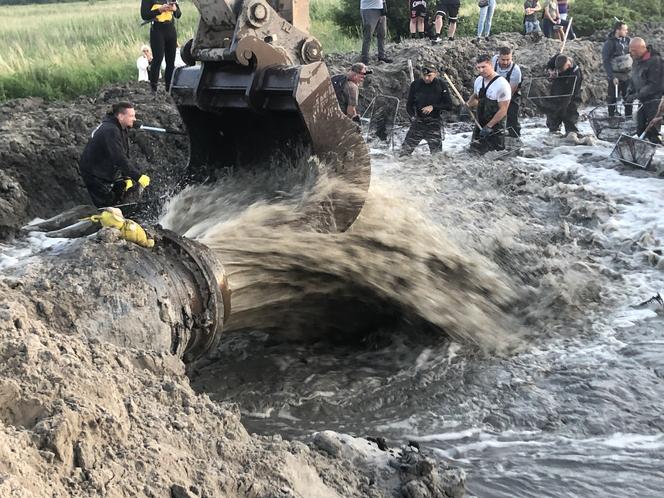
(70, 49)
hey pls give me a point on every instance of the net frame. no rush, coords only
(629, 143)
(548, 103)
(609, 128)
(369, 118)
(515, 144)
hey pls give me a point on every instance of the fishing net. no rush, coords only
(545, 93)
(633, 151)
(511, 144)
(379, 119)
(610, 128)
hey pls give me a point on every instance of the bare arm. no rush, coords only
(502, 112)
(473, 101)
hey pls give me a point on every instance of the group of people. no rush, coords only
(634, 70)
(553, 13)
(163, 49)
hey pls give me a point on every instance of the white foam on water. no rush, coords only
(12, 254)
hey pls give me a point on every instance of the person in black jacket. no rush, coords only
(645, 85)
(163, 37)
(427, 98)
(566, 86)
(618, 66)
(104, 164)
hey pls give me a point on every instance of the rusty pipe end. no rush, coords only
(209, 294)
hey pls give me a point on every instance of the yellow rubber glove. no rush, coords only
(133, 232)
(128, 184)
(144, 181)
(109, 217)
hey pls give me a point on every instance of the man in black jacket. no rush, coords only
(566, 90)
(427, 98)
(104, 164)
(646, 85)
(618, 66)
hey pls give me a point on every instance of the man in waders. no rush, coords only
(427, 98)
(646, 86)
(510, 70)
(618, 66)
(566, 87)
(491, 97)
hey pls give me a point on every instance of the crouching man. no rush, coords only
(427, 98)
(491, 97)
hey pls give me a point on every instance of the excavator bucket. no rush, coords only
(252, 105)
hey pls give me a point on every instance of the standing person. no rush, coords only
(563, 9)
(427, 98)
(163, 37)
(449, 9)
(567, 82)
(618, 66)
(347, 88)
(505, 66)
(487, 8)
(418, 13)
(143, 63)
(645, 85)
(373, 19)
(530, 21)
(491, 96)
(104, 164)
(551, 22)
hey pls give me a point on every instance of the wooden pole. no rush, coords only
(569, 26)
(463, 102)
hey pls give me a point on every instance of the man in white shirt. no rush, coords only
(505, 66)
(491, 97)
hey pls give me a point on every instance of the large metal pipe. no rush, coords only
(173, 298)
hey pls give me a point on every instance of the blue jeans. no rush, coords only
(486, 15)
(532, 27)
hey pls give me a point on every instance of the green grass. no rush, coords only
(65, 50)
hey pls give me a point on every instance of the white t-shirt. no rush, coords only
(515, 77)
(142, 66)
(499, 90)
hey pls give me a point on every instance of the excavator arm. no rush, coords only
(260, 98)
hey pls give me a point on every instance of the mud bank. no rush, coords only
(82, 417)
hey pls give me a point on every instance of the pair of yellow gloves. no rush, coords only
(143, 181)
(129, 230)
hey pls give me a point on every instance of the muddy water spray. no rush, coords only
(393, 266)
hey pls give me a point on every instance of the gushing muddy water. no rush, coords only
(484, 309)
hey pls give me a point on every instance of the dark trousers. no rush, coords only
(422, 129)
(373, 20)
(567, 115)
(104, 194)
(644, 115)
(611, 97)
(163, 41)
(513, 126)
